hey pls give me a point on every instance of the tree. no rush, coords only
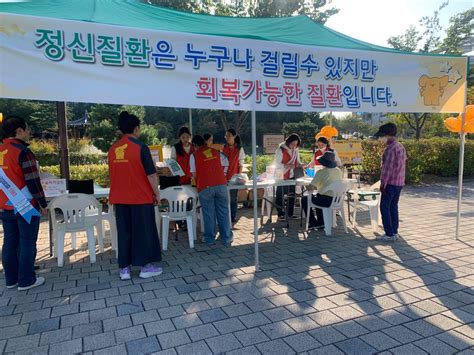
(261, 8)
(103, 134)
(407, 41)
(352, 124)
(459, 32)
(413, 40)
(40, 115)
(416, 121)
(306, 129)
(432, 29)
(148, 134)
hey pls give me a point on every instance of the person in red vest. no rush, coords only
(235, 155)
(181, 152)
(19, 240)
(287, 158)
(134, 192)
(211, 182)
(324, 146)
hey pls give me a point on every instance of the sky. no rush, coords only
(374, 21)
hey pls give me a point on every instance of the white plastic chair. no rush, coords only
(109, 217)
(75, 209)
(339, 189)
(178, 197)
(372, 205)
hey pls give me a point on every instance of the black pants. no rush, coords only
(138, 242)
(281, 191)
(320, 200)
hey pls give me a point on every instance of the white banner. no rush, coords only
(59, 60)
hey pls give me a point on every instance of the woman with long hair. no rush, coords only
(323, 146)
(235, 155)
(287, 158)
(181, 152)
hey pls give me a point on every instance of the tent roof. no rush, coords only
(132, 13)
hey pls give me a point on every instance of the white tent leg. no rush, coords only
(461, 171)
(254, 188)
(191, 120)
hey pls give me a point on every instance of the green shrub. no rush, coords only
(74, 159)
(99, 173)
(434, 156)
(41, 147)
(81, 152)
(262, 162)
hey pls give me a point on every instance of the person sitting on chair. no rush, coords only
(325, 177)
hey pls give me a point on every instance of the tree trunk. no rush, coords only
(224, 121)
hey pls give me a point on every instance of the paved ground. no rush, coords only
(315, 294)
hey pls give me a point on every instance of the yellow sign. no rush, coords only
(350, 152)
(156, 153)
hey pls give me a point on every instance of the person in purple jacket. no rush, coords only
(392, 180)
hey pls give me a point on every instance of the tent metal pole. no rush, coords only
(460, 174)
(63, 146)
(254, 188)
(191, 120)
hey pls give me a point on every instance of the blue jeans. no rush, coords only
(215, 207)
(19, 249)
(389, 209)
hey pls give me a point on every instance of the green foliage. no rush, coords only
(41, 147)
(99, 173)
(353, 124)
(407, 41)
(103, 134)
(459, 31)
(149, 134)
(435, 156)
(261, 8)
(262, 162)
(306, 129)
(80, 152)
(40, 115)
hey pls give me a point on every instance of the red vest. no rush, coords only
(317, 154)
(209, 170)
(286, 157)
(232, 155)
(129, 183)
(183, 161)
(10, 151)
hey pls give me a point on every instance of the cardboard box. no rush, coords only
(260, 194)
(242, 195)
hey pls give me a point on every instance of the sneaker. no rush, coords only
(387, 238)
(281, 218)
(150, 270)
(228, 244)
(125, 273)
(295, 217)
(39, 281)
(12, 286)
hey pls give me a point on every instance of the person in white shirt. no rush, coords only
(287, 158)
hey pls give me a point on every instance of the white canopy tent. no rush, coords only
(127, 52)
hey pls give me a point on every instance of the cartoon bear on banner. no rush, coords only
(432, 88)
